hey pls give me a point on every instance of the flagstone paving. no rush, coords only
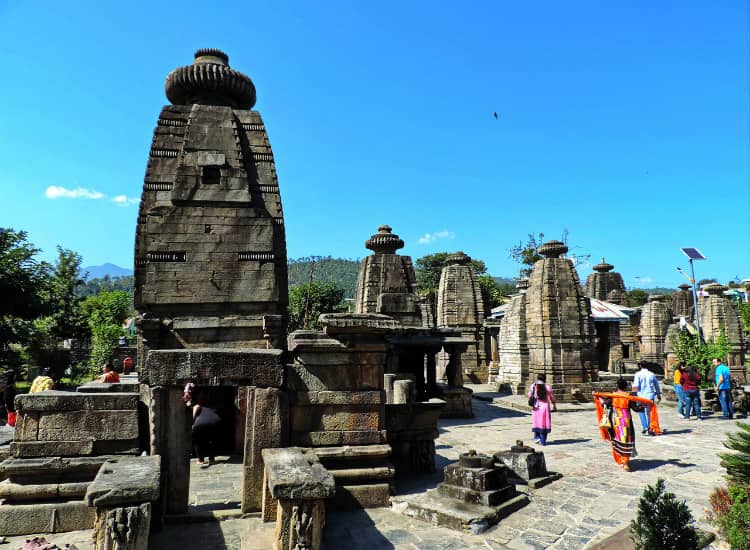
(592, 501)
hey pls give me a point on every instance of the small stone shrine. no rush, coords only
(460, 305)
(210, 252)
(474, 496)
(527, 464)
(655, 320)
(606, 285)
(387, 283)
(682, 302)
(513, 353)
(718, 314)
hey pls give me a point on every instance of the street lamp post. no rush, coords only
(694, 254)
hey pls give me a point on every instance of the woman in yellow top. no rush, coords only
(679, 371)
(42, 382)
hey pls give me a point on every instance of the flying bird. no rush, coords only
(495, 115)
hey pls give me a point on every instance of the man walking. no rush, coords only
(646, 385)
(723, 387)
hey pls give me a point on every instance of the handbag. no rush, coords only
(532, 401)
(605, 422)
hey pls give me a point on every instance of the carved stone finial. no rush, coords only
(684, 286)
(552, 249)
(715, 289)
(603, 267)
(384, 241)
(210, 81)
(656, 297)
(458, 258)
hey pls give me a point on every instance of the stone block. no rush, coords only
(12, 492)
(123, 528)
(55, 467)
(57, 517)
(336, 418)
(299, 524)
(337, 398)
(83, 424)
(7, 433)
(120, 387)
(312, 378)
(477, 479)
(293, 473)
(525, 465)
(36, 449)
(485, 498)
(372, 495)
(364, 452)
(60, 401)
(324, 438)
(252, 367)
(125, 481)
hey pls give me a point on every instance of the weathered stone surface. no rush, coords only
(682, 302)
(476, 479)
(323, 438)
(352, 452)
(123, 528)
(95, 424)
(176, 449)
(295, 473)
(15, 468)
(129, 386)
(337, 398)
(24, 492)
(267, 427)
(34, 449)
(457, 401)
(720, 314)
(655, 321)
(312, 378)
(526, 465)
(323, 418)
(7, 433)
(346, 323)
(211, 366)
(125, 481)
(59, 401)
(299, 525)
(54, 517)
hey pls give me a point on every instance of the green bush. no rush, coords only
(663, 522)
(737, 526)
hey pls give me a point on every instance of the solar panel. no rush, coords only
(693, 253)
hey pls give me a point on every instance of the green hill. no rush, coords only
(326, 269)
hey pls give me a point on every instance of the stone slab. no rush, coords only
(251, 367)
(353, 452)
(23, 492)
(338, 398)
(296, 473)
(20, 467)
(324, 438)
(35, 449)
(372, 495)
(125, 481)
(59, 401)
(58, 517)
(100, 425)
(124, 386)
(7, 433)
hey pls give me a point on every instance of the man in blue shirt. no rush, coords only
(724, 387)
(646, 385)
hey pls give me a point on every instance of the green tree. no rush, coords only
(307, 301)
(428, 269)
(686, 348)
(492, 292)
(24, 284)
(637, 297)
(663, 522)
(105, 313)
(526, 254)
(744, 310)
(737, 464)
(68, 319)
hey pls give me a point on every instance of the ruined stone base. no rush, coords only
(57, 517)
(457, 402)
(454, 514)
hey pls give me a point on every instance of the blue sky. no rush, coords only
(625, 123)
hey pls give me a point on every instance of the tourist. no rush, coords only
(109, 375)
(679, 393)
(691, 387)
(613, 411)
(646, 385)
(544, 405)
(42, 382)
(723, 380)
(206, 423)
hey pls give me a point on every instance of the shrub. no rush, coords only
(663, 522)
(738, 463)
(737, 526)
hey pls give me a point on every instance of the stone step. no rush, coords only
(485, 498)
(47, 517)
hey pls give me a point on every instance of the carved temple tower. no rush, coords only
(682, 302)
(655, 320)
(387, 283)
(460, 305)
(210, 250)
(720, 314)
(606, 285)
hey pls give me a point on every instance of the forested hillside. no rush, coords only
(325, 269)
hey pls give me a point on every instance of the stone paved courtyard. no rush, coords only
(593, 500)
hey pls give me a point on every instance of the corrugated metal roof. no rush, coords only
(605, 311)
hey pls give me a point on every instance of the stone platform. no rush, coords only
(593, 500)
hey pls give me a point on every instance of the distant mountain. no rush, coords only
(99, 271)
(341, 271)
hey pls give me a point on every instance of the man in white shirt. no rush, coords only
(646, 385)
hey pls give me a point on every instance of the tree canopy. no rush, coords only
(307, 301)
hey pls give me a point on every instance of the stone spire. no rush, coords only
(655, 320)
(210, 81)
(682, 302)
(718, 314)
(210, 250)
(384, 241)
(387, 283)
(552, 249)
(607, 285)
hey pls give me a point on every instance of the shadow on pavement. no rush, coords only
(651, 463)
(568, 441)
(353, 530)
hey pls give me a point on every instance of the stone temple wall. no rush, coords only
(606, 285)
(460, 305)
(513, 354)
(655, 320)
(717, 314)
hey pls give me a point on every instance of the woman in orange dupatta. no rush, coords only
(613, 412)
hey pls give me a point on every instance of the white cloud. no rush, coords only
(124, 200)
(59, 192)
(428, 238)
(643, 280)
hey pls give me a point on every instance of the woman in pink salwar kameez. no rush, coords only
(544, 405)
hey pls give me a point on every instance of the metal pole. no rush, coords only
(695, 303)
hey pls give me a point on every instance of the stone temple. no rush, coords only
(606, 285)
(682, 302)
(210, 252)
(720, 314)
(655, 320)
